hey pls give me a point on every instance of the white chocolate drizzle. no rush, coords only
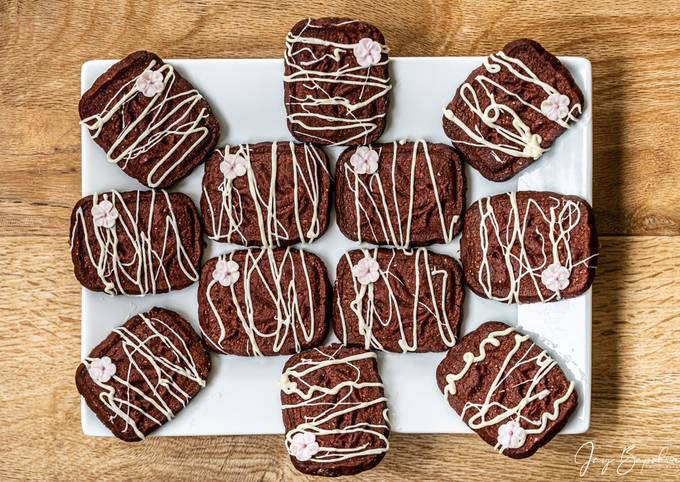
(337, 400)
(543, 362)
(382, 214)
(518, 141)
(226, 220)
(356, 128)
(147, 267)
(426, 298)
(158, 130)
(562, 217)
(295, 311)
(121, 391)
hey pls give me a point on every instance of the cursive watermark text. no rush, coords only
(623, 463)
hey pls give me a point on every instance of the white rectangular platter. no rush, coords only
(242, 395)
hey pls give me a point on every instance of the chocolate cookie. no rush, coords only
(399, 301)
(510, 110)
(136, 242)
(143, 373)
(267, 194)
(507, 389)
(149, 120)
(264, 302)
(336, 82)
(403, 193)
(529, 246)
(334, 411)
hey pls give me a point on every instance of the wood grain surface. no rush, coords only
(634, 50)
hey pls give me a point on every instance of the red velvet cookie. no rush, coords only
(264, 302)
(143, 373)
(399, 301)
(401, 194)
(136, 242)
(507, 389)
(149, 120)
(336, 81)
(334, 411)
(511, 109)
(242, 204)
(529, 246)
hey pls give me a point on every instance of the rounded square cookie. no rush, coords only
(272, 194)
(510, 110)
(336, 81)
(334, 411)
(150, 120)
(415, 303)
(529, 247)
(507, 389)
(141, 375)
(402, 194)
(136, 242)
(259, 302)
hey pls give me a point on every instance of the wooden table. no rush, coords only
(636, 312)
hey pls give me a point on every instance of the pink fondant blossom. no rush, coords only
(511, 435)
(303, 446)
(104, 214)
(555, 277)
(101, 369)
(233, 166)
(555, 107)
(366, 271)
(364, 160)
(367, 52)
(226, 272)
(149, 82)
